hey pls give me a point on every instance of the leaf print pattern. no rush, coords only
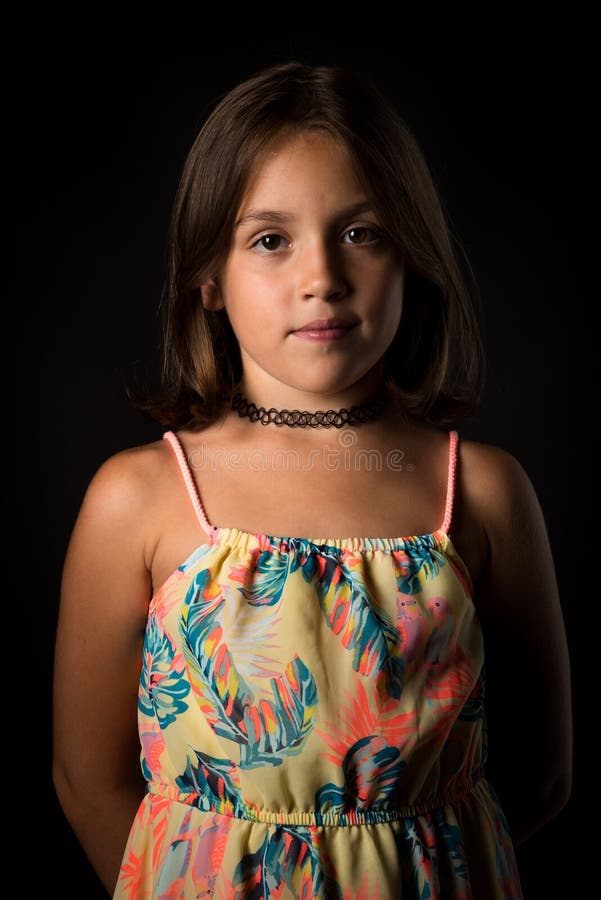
(215, 781)
(268, 577)
(267, 730)
(252, 662)
(433, 849)
(362, 715)
(288, 857)
(365, 891)
(282, 726)
(413, 570)
(445, 694)
(162, 684)
(269, 566)
(152, 818)
(360, 624)
(372, 771)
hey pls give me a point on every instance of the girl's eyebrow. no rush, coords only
(282, 218)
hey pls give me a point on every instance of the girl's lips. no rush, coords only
(325, 329)
(324, 334)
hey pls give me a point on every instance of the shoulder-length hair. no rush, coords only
(436, 359)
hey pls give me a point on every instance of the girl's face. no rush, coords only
(308, 246)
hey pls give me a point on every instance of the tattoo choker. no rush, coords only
(296, 418)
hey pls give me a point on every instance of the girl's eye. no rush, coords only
(361, 235)
(268, 243)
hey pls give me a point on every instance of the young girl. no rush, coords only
(307, 687)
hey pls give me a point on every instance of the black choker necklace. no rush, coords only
(362, 412)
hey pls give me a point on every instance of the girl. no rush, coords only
(307, 687)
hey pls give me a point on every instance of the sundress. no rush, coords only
(312, 723)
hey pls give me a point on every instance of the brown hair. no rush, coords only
(436, 359)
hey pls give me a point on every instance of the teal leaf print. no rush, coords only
(280, 727)
(223, 696)
(163, 686)
(266, 730)
(286, 858)
(272, 567)
(416, 566)
(416, 847)
(431, 851)
(450, 836)
(362, 626)
(372, 771)
(268, 579)
(216, 781)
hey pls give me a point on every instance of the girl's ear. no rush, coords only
(211, 295)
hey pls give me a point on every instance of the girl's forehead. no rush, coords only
(297, 162)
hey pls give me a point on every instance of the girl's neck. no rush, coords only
(370, 390)
(353, 416)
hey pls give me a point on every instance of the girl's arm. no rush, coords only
(527, 663)
(104, 601)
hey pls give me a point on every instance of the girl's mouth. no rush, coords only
(325, 329)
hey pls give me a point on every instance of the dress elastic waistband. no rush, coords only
(459, 789)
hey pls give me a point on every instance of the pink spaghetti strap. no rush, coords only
(189, 480)
(450, 481)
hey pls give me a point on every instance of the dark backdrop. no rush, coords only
(101, 118)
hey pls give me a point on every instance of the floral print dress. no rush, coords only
(312, 723)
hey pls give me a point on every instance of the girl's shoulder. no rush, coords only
(486, 471)
(496, 495)
(126, 481)
(493, 477)
(131, 464)
(495, 506)
(143, 466)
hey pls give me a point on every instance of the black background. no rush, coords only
(101, 115)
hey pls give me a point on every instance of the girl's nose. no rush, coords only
(320, 272)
